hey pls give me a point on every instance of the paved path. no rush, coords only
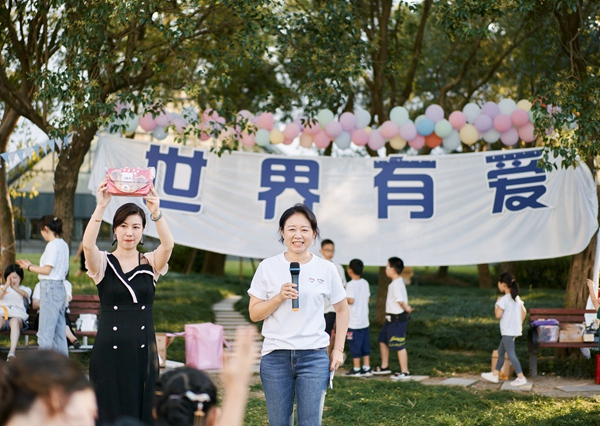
(230, 319)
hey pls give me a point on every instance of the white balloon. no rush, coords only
(363, 118)
(491, 135)
(451, 142)
(343, 140)
(507, 106)
(471, 112)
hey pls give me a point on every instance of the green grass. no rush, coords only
(451, 331)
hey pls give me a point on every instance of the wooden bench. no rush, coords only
(563, 316)
(80, 304)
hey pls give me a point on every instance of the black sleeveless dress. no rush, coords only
(124, 361)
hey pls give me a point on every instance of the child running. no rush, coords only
(358, 336)
(511, 312)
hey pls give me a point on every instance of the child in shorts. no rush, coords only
(358, 336)
(393, 333)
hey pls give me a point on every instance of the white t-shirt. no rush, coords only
(68, 288)
(305, 328)
(359, 310)
(396, 293)
(15, 303)
(511, 323)
(328, 305)
(56, 255)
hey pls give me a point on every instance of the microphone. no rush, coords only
(295, 272)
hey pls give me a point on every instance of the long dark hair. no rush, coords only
(509, 279)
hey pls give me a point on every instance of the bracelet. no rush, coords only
(29, 267)
(96, 220)
(158, 218)
(338, 349)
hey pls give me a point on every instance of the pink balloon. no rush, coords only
(209, 115)
(288, 141)
(434, 112)
(163, 119)
(347, 120)
(360, 137)
(502, 123)
(333, 129)
(322, 139)
(204, 136)
(306, 140)
(376, 140)
(248, 139)
(389, 129)
(491, 109)
(526, 132)
(408, 131)
(519, 117)
(291, 131)
(312, 128)
(457, 119)
(245, 113)
(418, 142)
(510, 137)
(266, 121)
(147, 122)
(483, 123)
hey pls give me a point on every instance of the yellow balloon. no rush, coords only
(276, 136)
(469, 134)
(306, 140)
(368, 129)
(524, 104)
(397, 143)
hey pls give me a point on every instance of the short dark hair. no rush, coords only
(53, 223)
(357, 266)
(326, 241)
(397, 264)
(125, 211)
(13, 268)
(172, 404)
(301, 209)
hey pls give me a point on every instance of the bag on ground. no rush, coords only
(204, 346)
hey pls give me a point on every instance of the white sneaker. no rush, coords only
(490, 377)
(519, 382)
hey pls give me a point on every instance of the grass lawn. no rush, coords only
(451, 331)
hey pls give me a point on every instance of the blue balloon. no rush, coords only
(425, 126)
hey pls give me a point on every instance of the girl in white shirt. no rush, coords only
(511, 312)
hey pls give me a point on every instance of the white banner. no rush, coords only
(429, 210)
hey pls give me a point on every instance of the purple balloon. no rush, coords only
(483, 123)
(434, 112)
(408, 131)
(347, 120)
(491, 109)
(510, 137)
(376, 141)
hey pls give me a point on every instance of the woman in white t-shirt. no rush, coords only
(14, 300)
(511, 312)
(294, 363)
(53, 267)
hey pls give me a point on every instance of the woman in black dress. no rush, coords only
(124, 361)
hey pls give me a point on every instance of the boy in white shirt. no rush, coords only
(328, 251)
(358, 336)
(393, 333)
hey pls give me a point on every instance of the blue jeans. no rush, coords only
(301, 374)
(52, 325)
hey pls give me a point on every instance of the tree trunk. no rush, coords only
(7, 222)
(190, 262)
(507, 267)
(214, 264)
(382, 289)
(485, 277)
(66, 175)
(442, 272)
